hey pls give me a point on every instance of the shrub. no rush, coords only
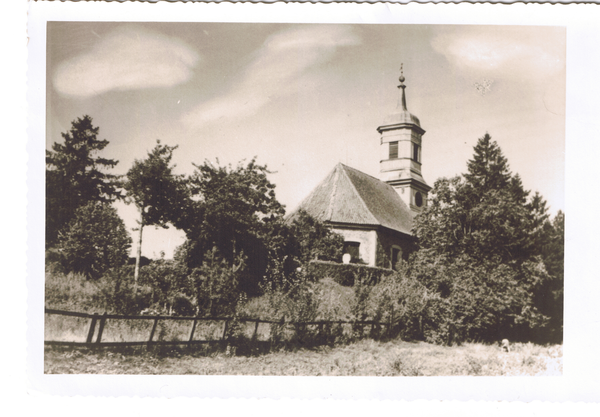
(216, 284)
(345, 274)
(396, 299)
(112, 293)
(171, 289)
(94, 241)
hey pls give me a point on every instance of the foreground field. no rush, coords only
(367, 358)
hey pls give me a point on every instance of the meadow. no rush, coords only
(366, 357)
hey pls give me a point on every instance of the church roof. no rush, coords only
(350, 196)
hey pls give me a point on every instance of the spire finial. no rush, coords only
(401, 79)
(402, 86)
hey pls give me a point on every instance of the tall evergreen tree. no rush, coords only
(480, 247)
(94, 241)
(158, 194)
(75, 175)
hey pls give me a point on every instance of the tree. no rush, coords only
(231, 210)
(158, 194)
(94, 241)
(75, 177)
(293, 245)
(316, 240)
(481, 241)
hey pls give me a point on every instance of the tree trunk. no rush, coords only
(138, 256)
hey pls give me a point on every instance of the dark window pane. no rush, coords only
(393, 150)
(353, 248)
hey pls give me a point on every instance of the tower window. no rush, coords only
(416, 153)
(393, 150)
(418, 199)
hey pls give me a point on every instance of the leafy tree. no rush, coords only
(158, 194)
(231, 210)
(75, 175)
(316, 240)
(294, 244)
(481, 248)
(94, 240)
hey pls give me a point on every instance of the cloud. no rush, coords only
(282, 63)
(521, 52)
(125, 59)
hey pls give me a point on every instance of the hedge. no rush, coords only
(345, 274)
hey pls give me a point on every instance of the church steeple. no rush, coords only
(400, 163)
(402, 86)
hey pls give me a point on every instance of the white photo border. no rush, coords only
(580, 380)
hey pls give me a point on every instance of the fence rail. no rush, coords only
(98, 321)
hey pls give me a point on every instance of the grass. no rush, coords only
(364, 358)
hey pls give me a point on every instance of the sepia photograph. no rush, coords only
(304, 199)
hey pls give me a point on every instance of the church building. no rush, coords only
(375, 215)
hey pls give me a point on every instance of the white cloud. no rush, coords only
(127, 58)
(519, 52)
(281, 64)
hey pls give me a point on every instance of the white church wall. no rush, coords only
(367, 240)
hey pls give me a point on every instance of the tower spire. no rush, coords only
(400, 163)
(402, 86)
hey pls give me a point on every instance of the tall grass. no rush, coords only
(362, 358)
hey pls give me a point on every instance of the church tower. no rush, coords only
(400, 163)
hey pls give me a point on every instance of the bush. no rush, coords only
(345, 274)
(112, 293)
(94, 241)
(396, 299)
(171, 288)
(216, 284)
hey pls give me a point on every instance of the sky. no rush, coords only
(303, 97)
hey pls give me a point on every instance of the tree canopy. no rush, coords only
(481, 244)
(75, 175)
(94, 241)
(158, 193)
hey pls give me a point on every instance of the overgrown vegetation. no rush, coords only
(489, 263)
(492, 255)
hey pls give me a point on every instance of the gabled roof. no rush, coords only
(350, 196)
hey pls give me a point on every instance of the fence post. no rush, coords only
(391, 322)
(101, 327)
(90, 335)
(225, 329)
(193, 330)
(153, 330)
(255, 330)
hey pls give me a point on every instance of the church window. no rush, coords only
(418, 199)
(352, 248)
(396, 257)
(393, 150)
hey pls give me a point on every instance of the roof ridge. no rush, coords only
(336, 175)
(363, 173)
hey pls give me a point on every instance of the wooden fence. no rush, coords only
(98, 323)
